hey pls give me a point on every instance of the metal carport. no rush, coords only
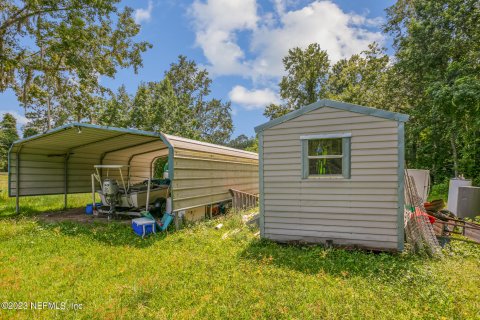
(61, 161)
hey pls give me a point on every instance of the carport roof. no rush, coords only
(79, 135)
(96, 139)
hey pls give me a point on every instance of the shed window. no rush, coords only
(326, 155)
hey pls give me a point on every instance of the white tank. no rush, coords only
(455, 183)
(422, 182)
(169, 205)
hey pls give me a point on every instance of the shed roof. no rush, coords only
(336, 105)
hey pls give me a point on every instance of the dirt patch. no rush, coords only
(77, 215)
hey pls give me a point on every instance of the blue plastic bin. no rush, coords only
(143, 226)
(89, 209)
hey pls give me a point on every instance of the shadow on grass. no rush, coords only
(335, 261)
(111, 233)
(34, 205)
(26, 211)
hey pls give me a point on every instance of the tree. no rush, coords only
(253, 147)
(179, 105)
(242, 142)
(307, 73)
(365, 78)
(8, 134)
(210, 119)
(116, 111)
(437, 50)
(29, 130)
(73, 43)
(361, 79)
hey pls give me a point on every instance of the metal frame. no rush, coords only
(139, 154)
(153, 161)
(102, 157)
(94, 142)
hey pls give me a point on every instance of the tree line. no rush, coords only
(433, 76)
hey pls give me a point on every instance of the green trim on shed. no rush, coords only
(401, 184)
(304, 143)
(347, 157)
(336, 105)
(261, 199)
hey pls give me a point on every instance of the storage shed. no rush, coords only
(333, 172)
(61, 161)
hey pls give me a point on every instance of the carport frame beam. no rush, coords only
(98, 141)
(103, 155)
(142, 153)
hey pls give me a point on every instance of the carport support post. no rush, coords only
(148, 194)
(93, 191)
(17, 196)
(65, 180)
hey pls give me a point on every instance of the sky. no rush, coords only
(241, 43)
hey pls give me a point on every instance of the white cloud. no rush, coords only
(142, 15)
(253, 99)
(340, 34)
(267, 37)
(218, 23)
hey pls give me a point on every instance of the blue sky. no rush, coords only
(241, 43)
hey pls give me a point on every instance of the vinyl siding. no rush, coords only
(360, 211)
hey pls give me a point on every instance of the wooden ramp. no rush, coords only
(243, 200)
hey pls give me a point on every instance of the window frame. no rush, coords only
(346, 155)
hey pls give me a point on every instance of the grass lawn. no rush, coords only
(37, 204)
(203, 273)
